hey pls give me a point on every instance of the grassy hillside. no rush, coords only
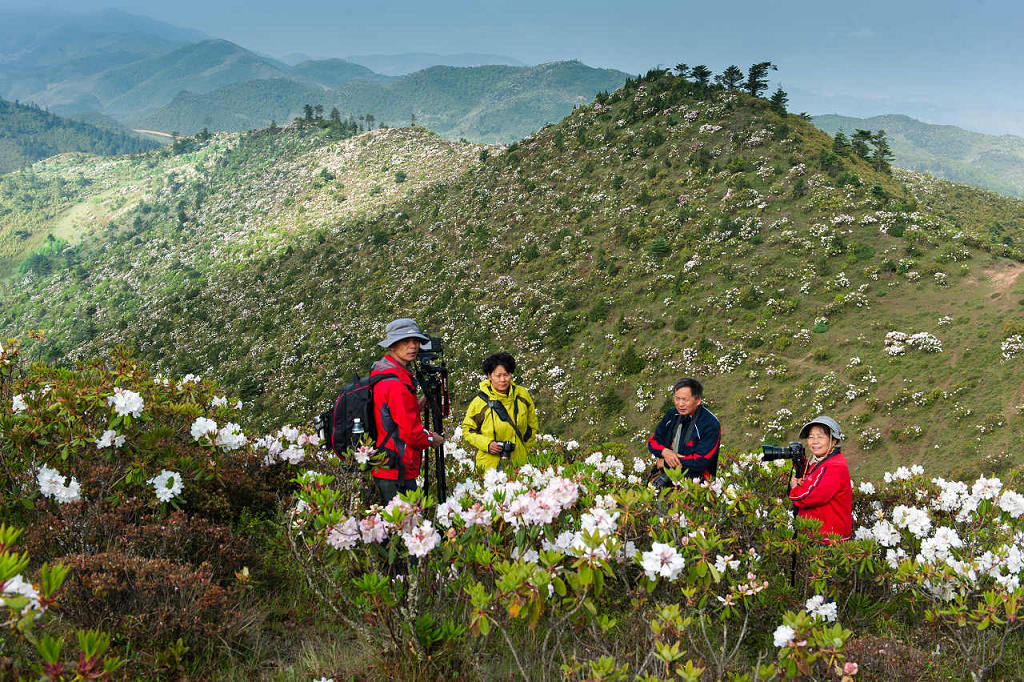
(661, 231)
(29, 134)
(994, 162)
(487, 103)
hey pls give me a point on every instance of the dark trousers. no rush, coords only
(388, 488)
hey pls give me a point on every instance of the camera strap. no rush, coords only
(682, 438)
(499, 409)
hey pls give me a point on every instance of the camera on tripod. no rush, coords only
(794, 451)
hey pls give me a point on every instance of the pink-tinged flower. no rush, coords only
(850, 668)
(373, 529)
(477, 515)
(344, 535)
(563, 491)
(363, 453)
(422, 539)
(662, 561)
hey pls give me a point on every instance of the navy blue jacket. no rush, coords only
(698, 455)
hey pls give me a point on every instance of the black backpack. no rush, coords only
(354, 401)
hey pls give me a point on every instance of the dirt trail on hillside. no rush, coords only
(151, 132)
(1002, 280)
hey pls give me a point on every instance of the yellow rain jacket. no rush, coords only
(482, 425)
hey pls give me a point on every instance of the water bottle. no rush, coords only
(357, 432)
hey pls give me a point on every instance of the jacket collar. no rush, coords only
(486, 387)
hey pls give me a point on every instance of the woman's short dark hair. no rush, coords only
(491, 363)
(695, 387)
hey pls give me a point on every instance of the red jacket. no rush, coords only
(826, 494)
(394, 402)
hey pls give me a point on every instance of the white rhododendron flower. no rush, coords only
(18, 403)
(52, 484)
(72, 492)
(230, 437)
(293, 454)
(126, 403)
(867, 487)
(913, 519)
(662, 561)
(1012, 503)
(167, 484)
(110, 439)
(19, 587)
(50, 481)
(885, 534)
(819, 609)
(987, 488)
(203, 427)
(784, 636)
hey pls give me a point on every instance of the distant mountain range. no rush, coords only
(410, 62)
(148, 75)
(485, 103)
(994, 162)
(28, 134)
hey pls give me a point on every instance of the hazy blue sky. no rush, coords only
(942, 61)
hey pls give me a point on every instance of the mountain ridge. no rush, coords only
(994, 162)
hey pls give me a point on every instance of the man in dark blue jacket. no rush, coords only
(689, 435)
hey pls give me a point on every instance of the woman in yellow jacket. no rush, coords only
(487, 423)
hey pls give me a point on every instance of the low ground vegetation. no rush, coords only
(182, 537)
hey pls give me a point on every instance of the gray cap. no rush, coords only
(828, 422)
(402, 328)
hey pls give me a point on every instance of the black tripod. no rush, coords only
(434, 380)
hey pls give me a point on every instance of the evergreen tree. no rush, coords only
(335, 115)
(318, 111)
(882, 155)
(841, 144)
(370, 118)
(731, 78)
(861, 139)
(779, 100)
(757, 77)
(701, 75)
(307, 111)
(682, 70)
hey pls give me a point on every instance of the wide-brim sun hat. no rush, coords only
(828, 422)
(402, 328)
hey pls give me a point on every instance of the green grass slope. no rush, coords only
(28, 134)
(658, 232)
(994, 162)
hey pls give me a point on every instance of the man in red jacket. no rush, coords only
(397, 410)
(825, 491)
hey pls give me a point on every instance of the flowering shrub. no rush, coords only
(694, 578)
(23, 604)
(1012, 346)
(103, 467)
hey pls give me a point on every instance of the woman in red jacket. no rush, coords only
(825, 491)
